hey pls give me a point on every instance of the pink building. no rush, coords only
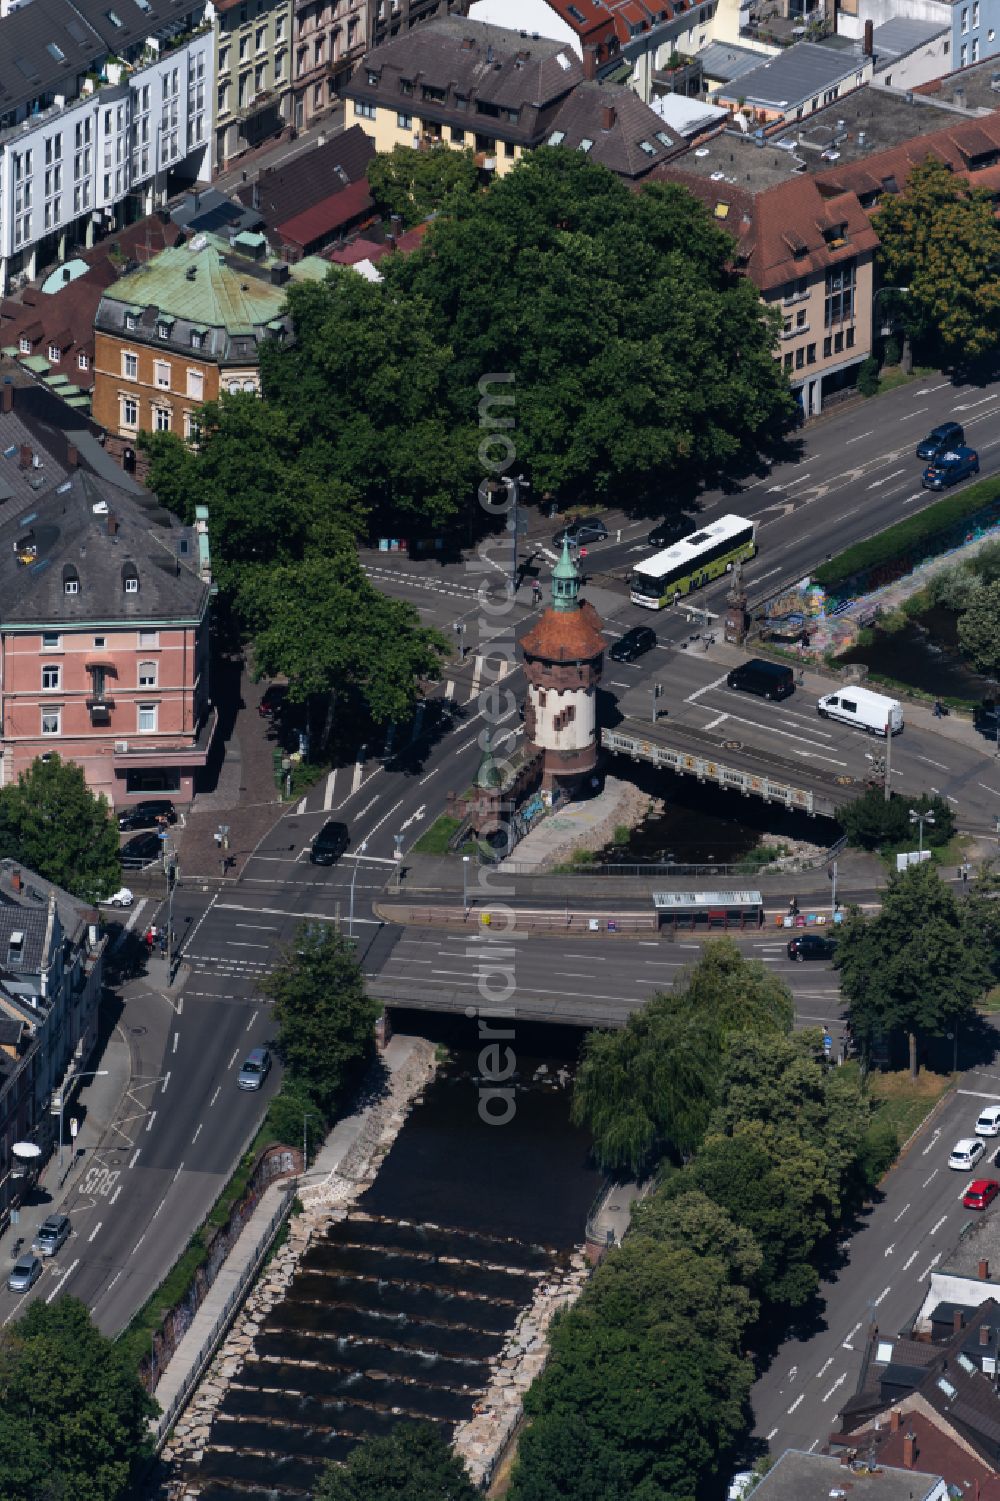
(104, 604)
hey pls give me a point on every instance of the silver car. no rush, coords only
(255, 1069)
(24, 1273)
(51, 1235)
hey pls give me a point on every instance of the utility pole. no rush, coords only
(657, 692)
(173, 872)
(516, 485)
(833, 891)
(888, 762)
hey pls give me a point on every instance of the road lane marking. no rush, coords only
(930, 1268)
(900, 1215)
(366, 807)
(135, 1157)
(915, 413)
(931, 1145)
(149, 1123)
(195, 1136)
(884, 481)
(62, 1280)
(331, 782)
(796, 1403)
(978, 1094)
(717, 720)
(857, 439)
(93, 1232)
(693, 697)
(177, 1037)
(824, 1368)
(839, 1382)
(770, 1436)
(910, 1260)
(883, 1294)
(215, 1096)
(166, 1081)
(114, 1196)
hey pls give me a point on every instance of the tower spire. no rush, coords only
(565, 582)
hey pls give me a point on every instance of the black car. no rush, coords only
(940, 439)
(141, 850)
(811, 946)
(330, 843)
(581, 533)
(986, 719)
(668, 531)
(145, 814)
(635, 643)
(273, 700)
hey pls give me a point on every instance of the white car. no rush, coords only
(966, 1153)
(122, 898)
(988, 1123)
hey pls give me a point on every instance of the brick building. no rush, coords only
(104, 640)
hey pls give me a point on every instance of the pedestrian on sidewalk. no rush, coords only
(149, 938)
(965, 873)
(163, 943)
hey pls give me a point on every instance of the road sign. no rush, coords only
(74, 1127)
(827, 1040)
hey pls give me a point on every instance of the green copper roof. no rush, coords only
(227, 291)
(565, 582)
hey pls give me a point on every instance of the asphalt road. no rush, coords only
(884, 1276)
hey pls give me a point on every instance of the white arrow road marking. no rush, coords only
(876, 482)
(414, 817)
(839, 1382)
(889, 1249)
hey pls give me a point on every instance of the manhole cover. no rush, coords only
(733, 745)
(138, 1031)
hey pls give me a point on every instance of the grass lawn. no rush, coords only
(891, 376)
(903, 1102)
(435, 840)
(951, 854)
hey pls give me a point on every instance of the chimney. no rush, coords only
(467, 44)
(909, 1450)
(25, 456)
(67, 275)
(590, 62)
(984, 1334)
(15, 880)
(984, 1271)
(607, 117)
(7, 398)
(895, 1420)
(112, 524)
(869, 38)
(72, 457)
(958, 1320)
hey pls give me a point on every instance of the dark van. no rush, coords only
(767, 679)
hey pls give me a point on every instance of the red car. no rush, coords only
(274, 697)
(981, 1193)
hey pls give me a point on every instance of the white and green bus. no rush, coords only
(694, 561)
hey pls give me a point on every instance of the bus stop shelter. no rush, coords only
(708, 909)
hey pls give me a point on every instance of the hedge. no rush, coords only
(909, 534)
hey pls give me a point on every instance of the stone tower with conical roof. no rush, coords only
(563, 659)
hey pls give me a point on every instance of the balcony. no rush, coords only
(100, 706)
(193, 750)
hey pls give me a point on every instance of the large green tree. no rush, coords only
(414, 1463)
(414, 184)
(73, 1416)
(646, 1390)
(52, 823)
(649, 1088)
(638, 357)
(325, 1017)
(939, 239)
(979, 628)
(322, 624)
(917, 965)
(869, 821)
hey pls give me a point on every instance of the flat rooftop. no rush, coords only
(798, 1476)
(735, 158)
(976, 88)
(868, 121)
(805, 70)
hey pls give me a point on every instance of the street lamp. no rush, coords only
(921, 819)
(465, 885)
(517, 484)
(398, 856)
(354, 876)
(94, 1073)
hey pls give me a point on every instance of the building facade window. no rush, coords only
(147, 719)
(147, 674)
(81, 361)
(196, 385)
(51, 675)
(51, 641)
(130, 366)
(161, 419)
(161, 374)
(839, 306)
(51, 721)
(150, 640)
(55, 354)
(130, 412)
(363, 110)
(403, 121)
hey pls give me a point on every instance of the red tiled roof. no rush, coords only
(957, 145)
(377, 250)
(566, 635)
(316, 224)
(938, 1452)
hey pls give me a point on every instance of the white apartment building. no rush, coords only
(102, 103)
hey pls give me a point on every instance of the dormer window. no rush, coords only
(372, 78)
(131, 322)
(197, 338)
(71, 580)
(130, 578)
(163, 327)
(24, 344)
(55, 354)
(15, 948)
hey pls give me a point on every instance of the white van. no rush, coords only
(860, 706)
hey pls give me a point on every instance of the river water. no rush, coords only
(395, 1314)
(925, 654)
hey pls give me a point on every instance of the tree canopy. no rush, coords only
(413, 1463)
(52, 823)
(413, 184)
(979, 628)
(939, 239)
(637, 353)
(869, 821)
(917, 965)
(325, 1018)
(649, 1088)
(73, 1415)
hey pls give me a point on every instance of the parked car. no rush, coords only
(141, 850)
(635, 643)
(145, 814)
(811, 946)
(946, 435)
(952, 466)
(53, 1233)
(773, 680)
(986, 719)
(256, 1067)
(966, 1153)
(123, 897)
(581, 533)
(272, 700)
(24, 1273)
(330, 843)
(981, 1193)
(988, 1123)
